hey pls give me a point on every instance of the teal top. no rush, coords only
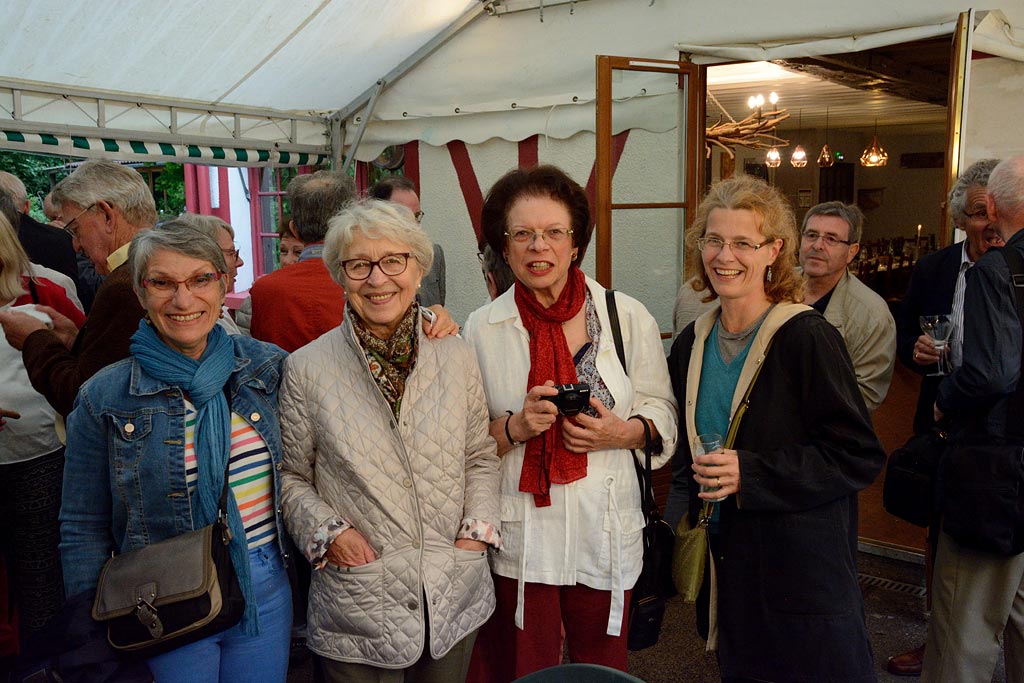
(718, 381)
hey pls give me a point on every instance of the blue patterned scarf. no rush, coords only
(204, 380)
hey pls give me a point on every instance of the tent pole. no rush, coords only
(362, 126)
(337, 129)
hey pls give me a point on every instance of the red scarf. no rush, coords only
(547, 459)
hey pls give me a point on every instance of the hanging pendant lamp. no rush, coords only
(825, 158)
(772, 159)
(873, 155)
(798, 159)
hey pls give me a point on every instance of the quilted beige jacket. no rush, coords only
(405, 485)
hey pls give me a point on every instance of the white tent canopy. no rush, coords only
(246, 82)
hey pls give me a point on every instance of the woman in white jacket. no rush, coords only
(570, 502)
(390, 479)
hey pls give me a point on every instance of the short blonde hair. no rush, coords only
(378, 220)
(776, 218)
(13, 262)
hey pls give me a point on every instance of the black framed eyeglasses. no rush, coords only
(70, 227)
(360, 268)
(230, 254)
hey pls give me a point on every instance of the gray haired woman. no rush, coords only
(152, 438)
(390, 481)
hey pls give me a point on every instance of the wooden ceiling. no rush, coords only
(904, 84)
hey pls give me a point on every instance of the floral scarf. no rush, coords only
(390, 359)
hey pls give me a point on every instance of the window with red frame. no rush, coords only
(268, 205)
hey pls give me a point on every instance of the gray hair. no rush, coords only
(8, 209)
(493, 263)
(850, 213)
(15, 187)
(976, 175)
(1006, 185)
(376, 219)
(207, 224)
(314, 199)
(99, 180)
(177, 236)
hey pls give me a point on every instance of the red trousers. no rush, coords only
(504, 653)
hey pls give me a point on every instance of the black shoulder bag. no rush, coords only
(655, 586)
(981, 478)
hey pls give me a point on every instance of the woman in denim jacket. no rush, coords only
(168, 419)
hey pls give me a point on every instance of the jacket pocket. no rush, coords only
(805, 564)
(512, 525)
(348, 601)
(129, 435)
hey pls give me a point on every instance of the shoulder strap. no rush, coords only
(33, 290)
(734, 428)
(1015, 262)
(613, 319)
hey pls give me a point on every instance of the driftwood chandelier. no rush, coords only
(756, 131)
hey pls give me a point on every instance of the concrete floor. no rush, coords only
(894, 603)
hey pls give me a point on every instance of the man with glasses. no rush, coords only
(830, 240)
(937, 287)
(103, 205)
(401, 190)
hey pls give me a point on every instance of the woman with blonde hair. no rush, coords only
(782, 602)
(31, 456)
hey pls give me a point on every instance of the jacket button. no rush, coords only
(407, 483)
(279, 466)
(412, 605)
(415, 543)
(280, 512)
(129, 428)
(255, 417)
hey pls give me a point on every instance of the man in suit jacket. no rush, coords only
(937, 288)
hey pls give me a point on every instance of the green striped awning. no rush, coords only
(135, 150)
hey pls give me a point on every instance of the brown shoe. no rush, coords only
(907, 664)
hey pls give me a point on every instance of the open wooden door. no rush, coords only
(640, 220)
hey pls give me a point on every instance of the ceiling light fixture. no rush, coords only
(798, 158)
(825, 158)
(873, 155)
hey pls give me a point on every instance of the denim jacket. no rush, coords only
(137, 494)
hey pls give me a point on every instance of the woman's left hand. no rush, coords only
(471, 545)
(584, 433)
(444, 326)
(721, 468)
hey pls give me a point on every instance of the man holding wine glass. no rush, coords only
(937, 287)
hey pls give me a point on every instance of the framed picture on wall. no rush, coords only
(755, 168)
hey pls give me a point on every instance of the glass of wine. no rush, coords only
(938, 328)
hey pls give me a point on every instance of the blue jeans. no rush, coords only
(231, 655)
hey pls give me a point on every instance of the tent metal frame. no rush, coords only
(170, 113)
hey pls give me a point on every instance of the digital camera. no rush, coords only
(571, 398)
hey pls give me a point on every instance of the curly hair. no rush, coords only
(776, 221)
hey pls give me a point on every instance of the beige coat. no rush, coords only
(406, 485)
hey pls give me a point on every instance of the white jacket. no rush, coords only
(405, 484)
(591, 532)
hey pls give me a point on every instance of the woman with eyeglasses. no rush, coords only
(390, 479)
(152, 437)
(571, 514)
(781, 602)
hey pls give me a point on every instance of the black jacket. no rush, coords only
(48, 246)
(930, 292)
(789, 606)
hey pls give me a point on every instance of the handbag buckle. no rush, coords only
(148, 617)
